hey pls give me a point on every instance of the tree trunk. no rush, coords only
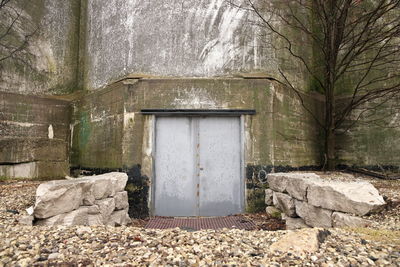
(330, 150)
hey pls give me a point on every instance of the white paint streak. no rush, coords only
(191, 38)
(50, 132)
(222, 50)
(71, 127)
(22, 124)
(129, 118)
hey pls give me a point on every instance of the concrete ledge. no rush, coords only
(20, 150)
(36, 170)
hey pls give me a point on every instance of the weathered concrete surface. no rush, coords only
(97, 129)
(371, 145)
(37, 169)
(109, 130)
(49, 63)
(194, 38)
(35, 136)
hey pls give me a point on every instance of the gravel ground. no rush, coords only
(131, 246)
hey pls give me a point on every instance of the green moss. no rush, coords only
(85, 129)
(4, 178)
(256, 200)
(277, 215)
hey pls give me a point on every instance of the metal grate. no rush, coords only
(231, 222)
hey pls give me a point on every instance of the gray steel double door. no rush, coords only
(198, 166)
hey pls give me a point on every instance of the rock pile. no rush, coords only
(309, 201)
(91, 200)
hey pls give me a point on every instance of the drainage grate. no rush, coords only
(232, 222)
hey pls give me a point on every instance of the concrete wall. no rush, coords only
(374, 141)
(97, 129)
(192, 38)
(34, 136)
(49, 63)
(109, 130)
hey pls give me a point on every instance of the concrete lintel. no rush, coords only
(198, 112)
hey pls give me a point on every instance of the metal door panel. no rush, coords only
(175, 188)
(220, 166)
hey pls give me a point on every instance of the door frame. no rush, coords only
(150, 139)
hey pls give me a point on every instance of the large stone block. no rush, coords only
(121, 200)
(62, 196)
(57, 197)
(295, 223)
(352, 197)
(269, 197)
(75, 217)
(277, 182)
(298, 184)
(106, 207)
(108, 184)
(359, 198)
(285, 203)
(304, 241)
(340, 219)
(295, 184)
(95, 219)
(313, 216)
(119, 217)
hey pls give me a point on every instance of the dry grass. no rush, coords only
(379, 235)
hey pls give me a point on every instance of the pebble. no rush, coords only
(103, 245)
